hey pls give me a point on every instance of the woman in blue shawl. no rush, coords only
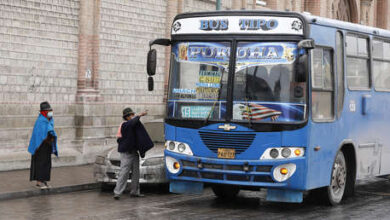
(43, 143)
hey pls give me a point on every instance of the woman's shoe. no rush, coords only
(47, 185)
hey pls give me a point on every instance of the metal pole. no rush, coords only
(218, 5)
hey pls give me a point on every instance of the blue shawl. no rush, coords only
(41, 128)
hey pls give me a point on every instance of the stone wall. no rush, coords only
(38, 61)
(125, 31)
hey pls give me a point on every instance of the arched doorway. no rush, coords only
(344, 10)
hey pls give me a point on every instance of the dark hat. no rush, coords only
(45, 106)
(127, 112)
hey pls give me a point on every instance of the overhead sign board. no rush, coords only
(238, 25)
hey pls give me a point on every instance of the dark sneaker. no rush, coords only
(137, 195)
(117, 197)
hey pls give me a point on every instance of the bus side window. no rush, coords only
(340, 72)
(381, 65)
(357, 62)
(322, 84)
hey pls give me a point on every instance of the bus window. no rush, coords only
(357, 63)
(340, 72)
(322, 85)
(198, 80)
(381, 65)
(264, 84)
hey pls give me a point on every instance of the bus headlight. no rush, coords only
(286, 152)
(172, 164)
(283, 172)
(282, 153)
(171, 145)
(178, 147)
(181, 147)
(274, 153)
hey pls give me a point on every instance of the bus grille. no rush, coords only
(238, 141)
(214, 172)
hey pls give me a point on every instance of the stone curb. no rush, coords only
(51, 191)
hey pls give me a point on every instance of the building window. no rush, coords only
(357, 63)
(322, 84)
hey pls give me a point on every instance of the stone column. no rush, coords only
(90, 113)
(236, 5)
(365, 6)
(88, 59)
(244, 4)
(382, 19)
(314, 7)
(275, 5)
(171, 11)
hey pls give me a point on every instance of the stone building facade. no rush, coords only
(87, 58)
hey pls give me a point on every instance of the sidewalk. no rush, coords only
(16, 184)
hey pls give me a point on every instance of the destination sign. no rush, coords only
(238, 25)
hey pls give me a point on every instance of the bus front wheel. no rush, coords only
(225, 191)
(335, 191)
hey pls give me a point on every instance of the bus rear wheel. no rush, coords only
(225, 191)
(335, 191)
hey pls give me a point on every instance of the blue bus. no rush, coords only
(283, 101)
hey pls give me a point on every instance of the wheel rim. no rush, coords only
(339, 177)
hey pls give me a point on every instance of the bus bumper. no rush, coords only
(194, 171)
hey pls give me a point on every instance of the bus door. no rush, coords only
(322, 114)
(359, 119)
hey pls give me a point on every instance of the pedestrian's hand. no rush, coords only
(143, 113)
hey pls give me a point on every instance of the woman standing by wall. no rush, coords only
(43, 143)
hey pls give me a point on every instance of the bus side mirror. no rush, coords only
(151, 62)
(150, 83)
(301, 69)
(307, 44)
(302, 63)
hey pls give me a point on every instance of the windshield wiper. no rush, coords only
(215, 102)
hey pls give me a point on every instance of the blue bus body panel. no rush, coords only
(220, 171)
(364, 123)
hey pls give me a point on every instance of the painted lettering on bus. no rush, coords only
(257, 24)
(214, 25)
(263, 52)
(210, 52)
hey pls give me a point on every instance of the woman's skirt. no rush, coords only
(41, 163)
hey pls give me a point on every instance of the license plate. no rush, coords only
(226, 153)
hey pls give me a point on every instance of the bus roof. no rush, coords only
(311, 19)
(346, 25)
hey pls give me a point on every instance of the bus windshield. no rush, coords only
(198, 80)
(264, 85)
(264, 88)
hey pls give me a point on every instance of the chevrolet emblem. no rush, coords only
(227, 127)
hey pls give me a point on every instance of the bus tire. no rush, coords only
(336, 190)
(225, 191)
